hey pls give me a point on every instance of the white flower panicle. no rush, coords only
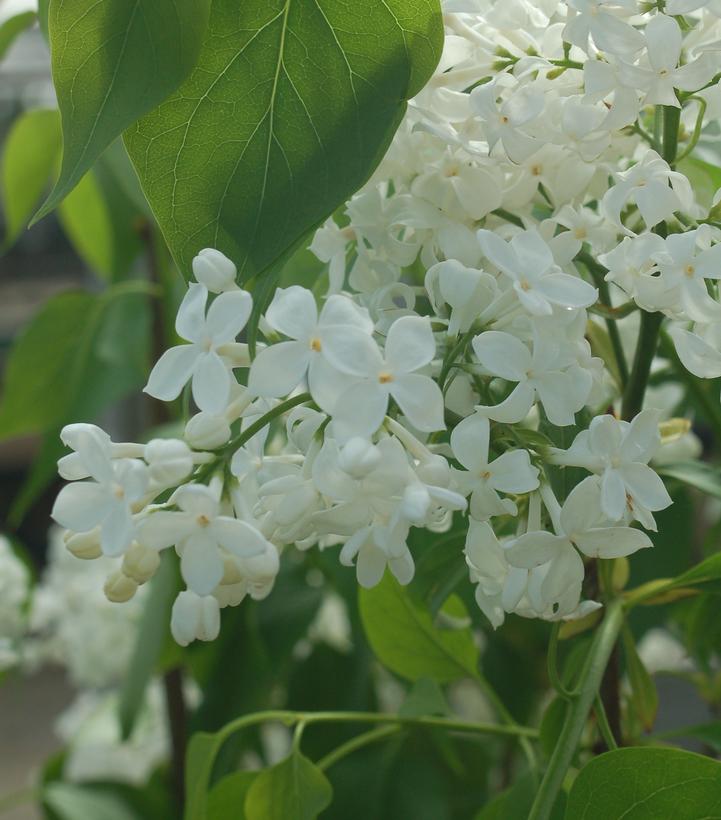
(531, 192)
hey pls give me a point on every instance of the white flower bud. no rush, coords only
(358, 457)
(71, 467)
(170, 460)
(232, 573)
(119, 588)
(85, 545)
(231, 594)
(194, 617)
(214, 270)
(206, 431)
(140, 563)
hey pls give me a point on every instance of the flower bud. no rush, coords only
(214, 270)
(140, 563)
(232, 573)
(194, 617)
(85, 545)
(230, 594)
(206, 431)
(170, 460)
(119, 588)
(358, 457)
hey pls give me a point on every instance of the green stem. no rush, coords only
(693, 142)
(552, 659)
(603, 725)
(577, 715)
(671, 120)
(355, 743)
(641, 368)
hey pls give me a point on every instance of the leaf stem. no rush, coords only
(357, 742)
(552, 664)
(590, 681)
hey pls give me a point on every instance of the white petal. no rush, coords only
(238, 537)
(410, 344)
(513, 472)
(211, 383)
(370, 565)
(196, 499)
(164, 528)
(190, 321)
(325, 383)
(656, 201)
(351, 351)
(360, 409)
(645, 486)
(278, 369)
(402, 568)
(117, 530)
(421, 401)
(534, 549)
(81, 506)
(293, 312)
(513, 408)
(556, 393)
(566, 290)
(499, 253)
(228, 315)
(503, 355)
(200, 564)
(613, 494)
(340, 310)
(172, 372)
(469, 442)
(612, 542)
(663, 40)
(582, 509)
(642, 437)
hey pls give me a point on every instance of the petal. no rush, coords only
(340, 310)
(81, 506)
(612, 542)
(558, 397)
(370, 565)
(211, 383)
(200, 564)
(642, 436)
(513, 408)
(503, 355)
(535, 549)
(402, 568)
(613, 494)
(228, 315)
(421, 401)
(190, 321)
(645, 486)
(469, 442)
(117, 530)
(196, 499)
(605, 436)
(238, 537)
(533, 254)
(566, 290)
(410, 344)
(663, 41)
(360, 410)
(172, 372)
(499, 253)
(656, 201)
(293, 312)
(513, 472)
(325, 383)
(164, 528)
(582, 509)
(278, 369)
(352, 351)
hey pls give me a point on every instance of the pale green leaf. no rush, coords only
(294, 789)
(32, 148)
(112, 62)
(698, 474)
(226, 800)
(406, 639)
(647, 784)
(70, 802)
(14, 26)
(288, 111)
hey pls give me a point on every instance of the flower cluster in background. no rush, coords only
(484, 291)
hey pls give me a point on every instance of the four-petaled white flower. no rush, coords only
(512, 472)
(202, 361)
(409, 346)
(198, 531)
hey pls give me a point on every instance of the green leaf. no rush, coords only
(199, 760)
(112, 62)
(698, 474)
(290, 108)
(515, 803)
(32, 148)
(226, 800)
(424, 698)
(70, 802)
(405, 638)
(646, 784)
(708, 733)
(294, 789)
(644, 696)
(67, 364)
(15, 25)
(152, 634)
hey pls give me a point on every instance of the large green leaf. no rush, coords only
(226, 800)
(32, 148)
(294, 789)
(288, 111)
(405, 638)
(647, 784)
(112, 62)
